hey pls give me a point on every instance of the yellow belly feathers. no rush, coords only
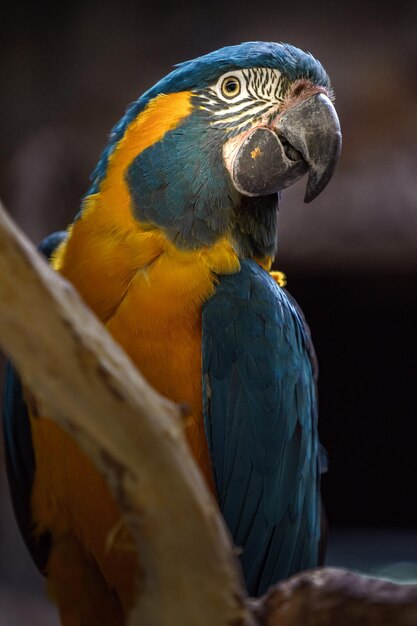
(149, 295)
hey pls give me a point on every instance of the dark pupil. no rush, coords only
(231, 86)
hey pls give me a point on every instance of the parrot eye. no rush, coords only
(231, 87)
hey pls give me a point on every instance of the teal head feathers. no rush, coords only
(260, 118)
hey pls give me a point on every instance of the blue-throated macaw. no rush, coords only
(172, 249)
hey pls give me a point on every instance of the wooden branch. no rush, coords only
(336, 597)
(86, 383)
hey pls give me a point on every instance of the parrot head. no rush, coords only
(208, 149)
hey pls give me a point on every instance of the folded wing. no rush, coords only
(260, 411)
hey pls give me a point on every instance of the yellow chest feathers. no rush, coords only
(149, 294)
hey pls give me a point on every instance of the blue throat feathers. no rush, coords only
(181, 185)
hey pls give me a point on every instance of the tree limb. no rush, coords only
(336, 597)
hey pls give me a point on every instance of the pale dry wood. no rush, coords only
(336, 597)
(84, 381)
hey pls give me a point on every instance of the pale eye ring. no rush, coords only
(231, 87)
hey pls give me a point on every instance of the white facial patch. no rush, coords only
(240, 96)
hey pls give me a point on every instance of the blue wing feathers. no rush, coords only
(51, 242)
(260, 416)
(20, 460)
(20, 464)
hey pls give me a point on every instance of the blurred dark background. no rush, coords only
(68, 70)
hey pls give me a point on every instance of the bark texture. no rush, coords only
(336, 597)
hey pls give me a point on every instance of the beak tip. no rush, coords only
(315, 187)
(312, 193)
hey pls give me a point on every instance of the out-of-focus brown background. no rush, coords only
(67, 72)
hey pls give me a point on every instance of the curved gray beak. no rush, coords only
(305, 138)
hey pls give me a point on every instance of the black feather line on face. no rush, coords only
(230, 121)
(266, 80)
(250, 107)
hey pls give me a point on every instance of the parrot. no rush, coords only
(172, 249)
